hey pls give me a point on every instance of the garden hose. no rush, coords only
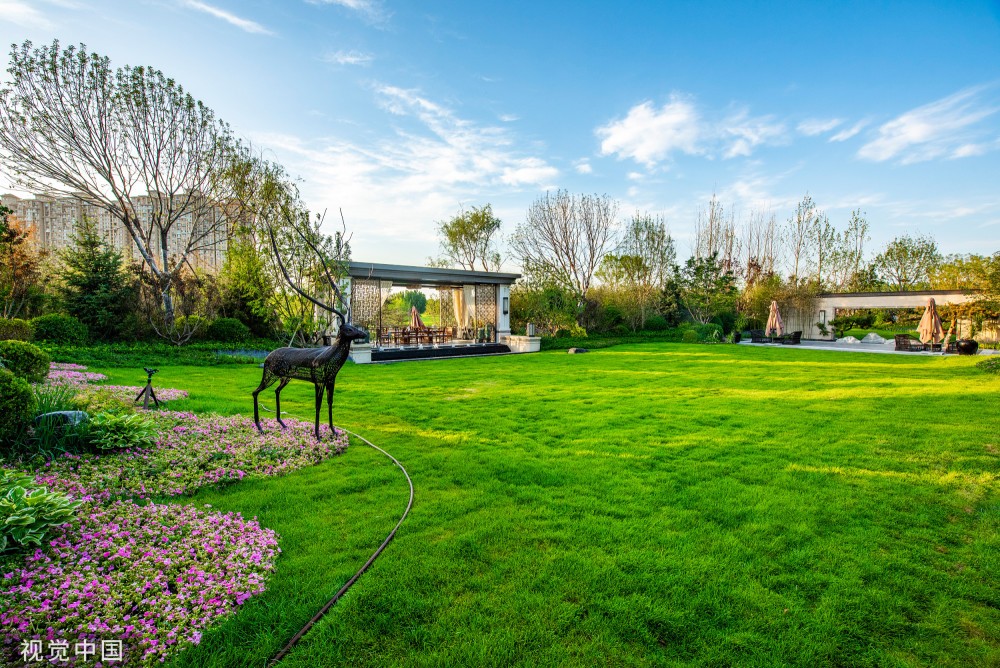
(319, 615)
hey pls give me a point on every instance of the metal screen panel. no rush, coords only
(486, 309)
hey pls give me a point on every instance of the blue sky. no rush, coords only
(401, 113)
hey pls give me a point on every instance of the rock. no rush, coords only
(575, 351)
(873, 338)
(848, 339)
(63, 418)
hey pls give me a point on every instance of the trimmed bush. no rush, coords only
(228, 330)
(656, 323)
(17, 405)
(710, 332)
(13, 329)
(690, 336)
(60, 329)
(562, 334)
(25, 360)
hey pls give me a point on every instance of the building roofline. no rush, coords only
(895, 293)
(411, 275)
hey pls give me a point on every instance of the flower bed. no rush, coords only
(150, 576)
(192, 451)
(66, 374)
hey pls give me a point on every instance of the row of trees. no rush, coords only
(581, 262)
(134, 143)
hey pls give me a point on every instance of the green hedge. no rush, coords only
(230, 330)
(158, 353)
(60, 329)
(13, 329)
(25, 360)
(17, 405)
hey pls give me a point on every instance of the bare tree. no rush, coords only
(643, 264)
(760, 246)
(798, 231)
(564, 238)
(849, 251)
(130, 141)
(715, 234)
(822, 241)
(469, 239)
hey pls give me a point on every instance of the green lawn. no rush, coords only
(658, 504)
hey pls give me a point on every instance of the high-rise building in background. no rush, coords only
(52, 221)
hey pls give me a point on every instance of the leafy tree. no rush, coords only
(847, 257)
(412, 298)
(547, 305)
(130, 141)
(906, 262)
(707, 288)
(19, 266)
(798, 234)
(469, 239)
(823, 240)
(96, 288)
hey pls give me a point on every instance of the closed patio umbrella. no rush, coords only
(774, 322)
(415, 321)
(930, 329)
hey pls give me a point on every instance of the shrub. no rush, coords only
(25, 360)
(563, 334)
(95, 400)
(577, 332)
(990, 365)
(611, 317)
(29, 513)
(17, 405)
(60, 329)
(112, 431)
(228, 330)
(710, 332)
(656, 323)
(13, 329)
(621, 330)
(690, 336)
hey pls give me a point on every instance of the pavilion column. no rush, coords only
(503, 310)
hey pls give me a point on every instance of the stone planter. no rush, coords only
(737, 336)
(967, 346)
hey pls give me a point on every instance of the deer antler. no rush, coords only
(277, 255)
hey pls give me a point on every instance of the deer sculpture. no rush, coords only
(316, 365)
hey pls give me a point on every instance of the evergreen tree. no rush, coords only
(96, 289)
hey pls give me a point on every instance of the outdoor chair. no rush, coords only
(952, 348)
(904, 343)
(793, 339)
(757, 336)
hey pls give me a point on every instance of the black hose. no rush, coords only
(319, 615)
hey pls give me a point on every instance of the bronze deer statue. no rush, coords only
(316, 365)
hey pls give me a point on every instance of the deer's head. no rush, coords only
(351, 333)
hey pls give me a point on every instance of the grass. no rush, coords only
(647, 505)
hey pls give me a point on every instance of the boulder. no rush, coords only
(63, 418)
(575, 351)
(873, 338)
(848, 339)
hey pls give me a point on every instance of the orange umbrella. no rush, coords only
(930, 329)
(415, 321)
(774, 322)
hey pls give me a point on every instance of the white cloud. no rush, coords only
(509, 118)
(933, 130)
(24, 15)
(583, 166)
(648, 135)
(847, 133)
(745, 133)
(370, 9)
(232, 19)
(347, 58)
(817, 126)
(398, 185)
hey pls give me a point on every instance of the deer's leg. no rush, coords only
(319, 402)
(329, 406)
(277, 400)
(266, 381)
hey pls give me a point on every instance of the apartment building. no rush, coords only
(52, 221)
